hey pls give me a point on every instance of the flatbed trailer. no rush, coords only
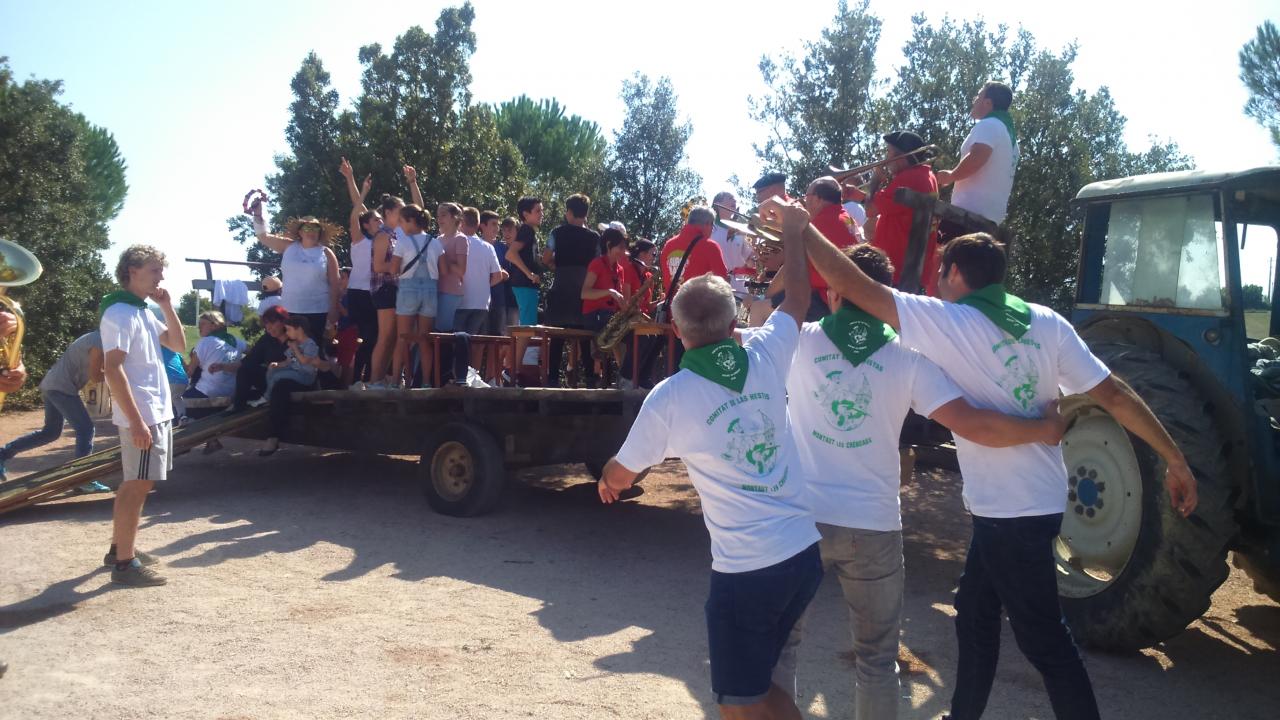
(467, 439)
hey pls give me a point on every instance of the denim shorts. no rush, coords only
(416, 296)
(749, 618)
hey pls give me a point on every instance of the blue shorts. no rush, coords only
(445, 312)
(416, 296)
(749, 618)
(527, 301)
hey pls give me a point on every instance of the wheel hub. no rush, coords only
(452, 471)
(1104, 504)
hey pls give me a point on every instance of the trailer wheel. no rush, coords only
(1131, 572)
(462, 471)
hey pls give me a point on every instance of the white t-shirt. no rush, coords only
(269, 302)
(739, 452)
(361, 265)
(210, 350)
(407, 247)
(736, 251)
(858, 214)
(305, 273)
(847, 421)
(482, 261)
(137, 332)
(1015, 377)
(986, 192)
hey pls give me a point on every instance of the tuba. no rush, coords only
(17, 267)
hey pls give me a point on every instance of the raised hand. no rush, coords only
(410, 174)
(366, 186)
(345, 169)
(161, 296)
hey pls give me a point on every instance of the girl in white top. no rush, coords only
(308, 267)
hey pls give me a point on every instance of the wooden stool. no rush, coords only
(496, 342)
(651, 329)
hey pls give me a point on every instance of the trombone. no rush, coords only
(842, 176)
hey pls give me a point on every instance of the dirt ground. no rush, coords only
(319, 585)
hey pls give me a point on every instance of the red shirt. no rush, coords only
(835, 225)
(705, 259)
(633, 280)
(608, 277)
(894, 224)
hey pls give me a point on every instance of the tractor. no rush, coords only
(1159, 299)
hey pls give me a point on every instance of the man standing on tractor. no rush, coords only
(1012, 356)
(983, 178)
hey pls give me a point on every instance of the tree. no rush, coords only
(1067, 138)
(564, 154)
(1255, 298)
(414, 109)
(647, 163)
(61, 181)
(819, 112)
(190, 305)
(1260, 72)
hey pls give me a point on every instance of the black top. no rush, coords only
(575, 246)
(266, 350)
(528, 237)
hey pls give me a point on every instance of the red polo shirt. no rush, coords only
(894, 223)
(835, 225)
(706, 257)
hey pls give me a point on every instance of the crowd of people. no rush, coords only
(789, 428)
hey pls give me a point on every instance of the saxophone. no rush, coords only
(17, 267)
(622, 321)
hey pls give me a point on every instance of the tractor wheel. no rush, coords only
(1265, 576)
(1131, 571)
(462, 471)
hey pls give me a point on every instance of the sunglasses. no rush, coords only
(310, 226)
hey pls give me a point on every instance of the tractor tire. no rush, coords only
(1132, 572)
(1265, 576)
(462, 470)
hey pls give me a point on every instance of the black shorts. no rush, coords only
(384, 298)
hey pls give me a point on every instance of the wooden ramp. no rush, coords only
(47, 484)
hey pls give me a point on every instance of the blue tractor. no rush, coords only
(1160, 300)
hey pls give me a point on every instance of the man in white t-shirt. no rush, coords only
(725, 415)
(1012, 356)
(983, 178)
(482, 273)
(738, 255)
(851, 385)
(142, 408)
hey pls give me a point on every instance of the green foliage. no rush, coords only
(1067, 137)
(1260, 72)
(563, 154)
(61, 181)
(819, 111)
(190, 305)
(651, 178)
(414, 109)
(1255, 298)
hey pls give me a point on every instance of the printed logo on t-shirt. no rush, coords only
(1020, 377)
(752, 444)
(673, 262)
(725, 360)
(846, 409)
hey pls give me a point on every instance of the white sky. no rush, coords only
(197, 95)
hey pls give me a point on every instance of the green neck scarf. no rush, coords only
(1008, 312)
(856, 333)
(225, 337)
(119, 296)
(1004, 117)
(723, 363)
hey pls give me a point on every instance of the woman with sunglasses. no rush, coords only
(308, 268)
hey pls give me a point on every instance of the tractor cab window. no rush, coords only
(1164, 252)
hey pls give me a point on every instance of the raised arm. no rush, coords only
(997, 430)
(843, 276)
(795, 269)
(357, 196)
(174, 337)
(277, 243)
(1116, 397)
(411, 177)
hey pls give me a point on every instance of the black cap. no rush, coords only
(904, 141)
(770, 178)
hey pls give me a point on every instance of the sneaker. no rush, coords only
(93, 486)
(137, 575)
(259, 402)
(146, 558)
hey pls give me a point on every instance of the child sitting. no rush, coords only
(302, 359)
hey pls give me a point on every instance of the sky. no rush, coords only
(197, 94)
